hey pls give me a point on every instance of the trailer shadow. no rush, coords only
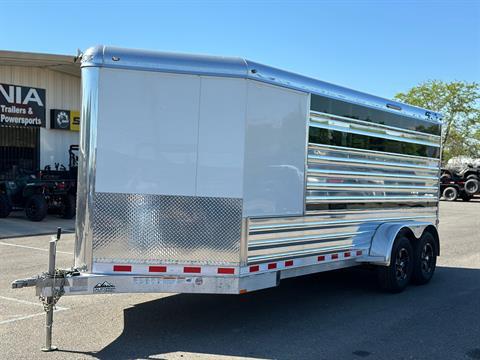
(340, 314)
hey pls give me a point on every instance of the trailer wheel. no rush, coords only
(425, 259)
(450, 193)
(472, 186)
(395, 277)
(36, 208)
(5, 207)
(68, 207)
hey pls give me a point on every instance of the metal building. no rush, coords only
(39, 110)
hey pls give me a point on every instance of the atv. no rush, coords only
(462, 183)
(47, 191)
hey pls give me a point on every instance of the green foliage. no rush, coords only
(459, 102)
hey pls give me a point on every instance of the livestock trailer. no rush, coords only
(202, 174)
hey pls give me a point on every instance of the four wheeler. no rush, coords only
(49, 190)
(37, 197)
(463, 183)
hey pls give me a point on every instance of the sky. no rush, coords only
(377, 46)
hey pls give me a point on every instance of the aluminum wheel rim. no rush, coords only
(426, 258)
(402, 262)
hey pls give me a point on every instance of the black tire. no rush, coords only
(68, 207)
(425, 260)
(36, 208)
(472, 176)
(472, 186)
(445, 178)
(395, 277)
(5, 207)
(450, 193)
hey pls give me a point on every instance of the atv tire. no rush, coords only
(445, 178)
(472, 186)
(36, 208)
(68, 207)
(450, 193)
(5, 207)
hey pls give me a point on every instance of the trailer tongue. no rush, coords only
(203, 174)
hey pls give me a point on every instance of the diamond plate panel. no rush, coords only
(135, 228)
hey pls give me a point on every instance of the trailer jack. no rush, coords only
(50, 288)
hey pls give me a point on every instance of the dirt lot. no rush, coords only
(339, 315)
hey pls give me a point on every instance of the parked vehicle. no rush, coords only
(203, 174)
(461, 183)
(37, 194)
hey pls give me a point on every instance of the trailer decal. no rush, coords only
(104, 287)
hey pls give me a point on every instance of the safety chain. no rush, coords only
(57, 291)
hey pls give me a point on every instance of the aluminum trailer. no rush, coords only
(202, 174)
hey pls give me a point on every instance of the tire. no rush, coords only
(445, 178)
(472, 176)
(395, 277)
(5, 207)
(68, 207)
(450, 193)
(36, 208)
(425, 259)
(472, 186)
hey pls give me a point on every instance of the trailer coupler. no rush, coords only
(21, 283)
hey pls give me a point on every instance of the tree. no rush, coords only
(459, 102)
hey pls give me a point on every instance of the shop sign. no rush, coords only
(22, 106)
(60, 119)
(75, 120)
(65, 119)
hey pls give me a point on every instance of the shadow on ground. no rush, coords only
(340, 314)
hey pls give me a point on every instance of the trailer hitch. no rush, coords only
(21, 283)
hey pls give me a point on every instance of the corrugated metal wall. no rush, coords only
(62, 92)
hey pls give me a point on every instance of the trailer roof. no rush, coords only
(114, 57)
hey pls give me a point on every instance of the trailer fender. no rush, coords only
(382, 241)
